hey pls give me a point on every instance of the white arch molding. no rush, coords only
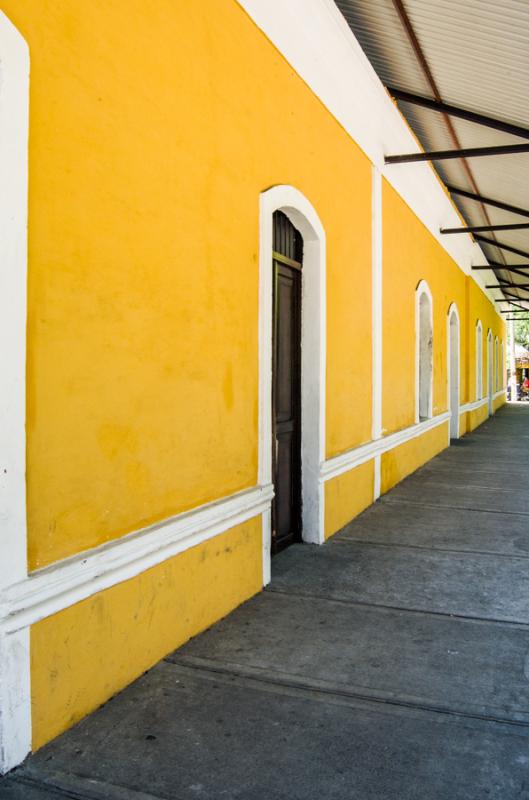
(15, 709)
(479, 360)
(313, 308)
(453, 339)
(490, 368)
(423, 352)
(496, 366)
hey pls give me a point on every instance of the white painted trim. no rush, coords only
(15, 707)
(376, 329)
(54, 588)
(377, 477)
(266, 522)
(359, 455)
(422, 289)
(453, 312)
(473, 405)
(479, 359)
(313, 351)
(315, 39)
(496, 365)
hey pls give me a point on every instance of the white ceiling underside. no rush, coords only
(478, 54)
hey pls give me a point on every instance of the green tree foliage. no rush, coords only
(521, 332)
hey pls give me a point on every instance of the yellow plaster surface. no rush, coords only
(150, 143)
(347, 495)
(412, 254)
(478, 416)
(480, 308)
(408, 457)
(499, 402)
(82, 656)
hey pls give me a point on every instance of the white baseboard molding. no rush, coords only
(359, 455)
(475, 404)
(54, 588)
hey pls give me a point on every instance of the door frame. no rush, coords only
(303, 216)
(453, 313)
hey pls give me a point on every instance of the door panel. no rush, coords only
(286, 508)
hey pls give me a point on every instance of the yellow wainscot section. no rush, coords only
(83, 655)
(396, 464)
(478, 416)
(347, 495)
(499, 402)
(463, 424)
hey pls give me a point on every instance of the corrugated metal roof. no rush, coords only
(478, 54)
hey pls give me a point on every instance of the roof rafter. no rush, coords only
(428, 74)
(506, 284)
(502, 246)
(457, 111)
(464, 152)
(489, 201)
(517, 226)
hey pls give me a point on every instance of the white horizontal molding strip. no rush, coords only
(474, 405)
(60, 585)
(359, 455)
(498, 393)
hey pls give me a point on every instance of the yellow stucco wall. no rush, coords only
(405, 459)
(85, 654)
(347, 495)
(480, 308)
(146, 162)
(499, 402)
(412, 254)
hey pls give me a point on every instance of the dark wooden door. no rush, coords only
(286, 394)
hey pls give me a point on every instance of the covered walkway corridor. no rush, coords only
(390, 664)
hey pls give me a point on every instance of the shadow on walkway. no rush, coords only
(390, 664)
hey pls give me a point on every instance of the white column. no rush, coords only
(15, 705)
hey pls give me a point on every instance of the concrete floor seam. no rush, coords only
(441, 506)
(496, 554)
(315, 687)
(404, 609)
(102, 790)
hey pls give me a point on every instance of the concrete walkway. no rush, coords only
(390, 664)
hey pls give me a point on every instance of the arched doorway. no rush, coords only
(303, 217)
(453, 370)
